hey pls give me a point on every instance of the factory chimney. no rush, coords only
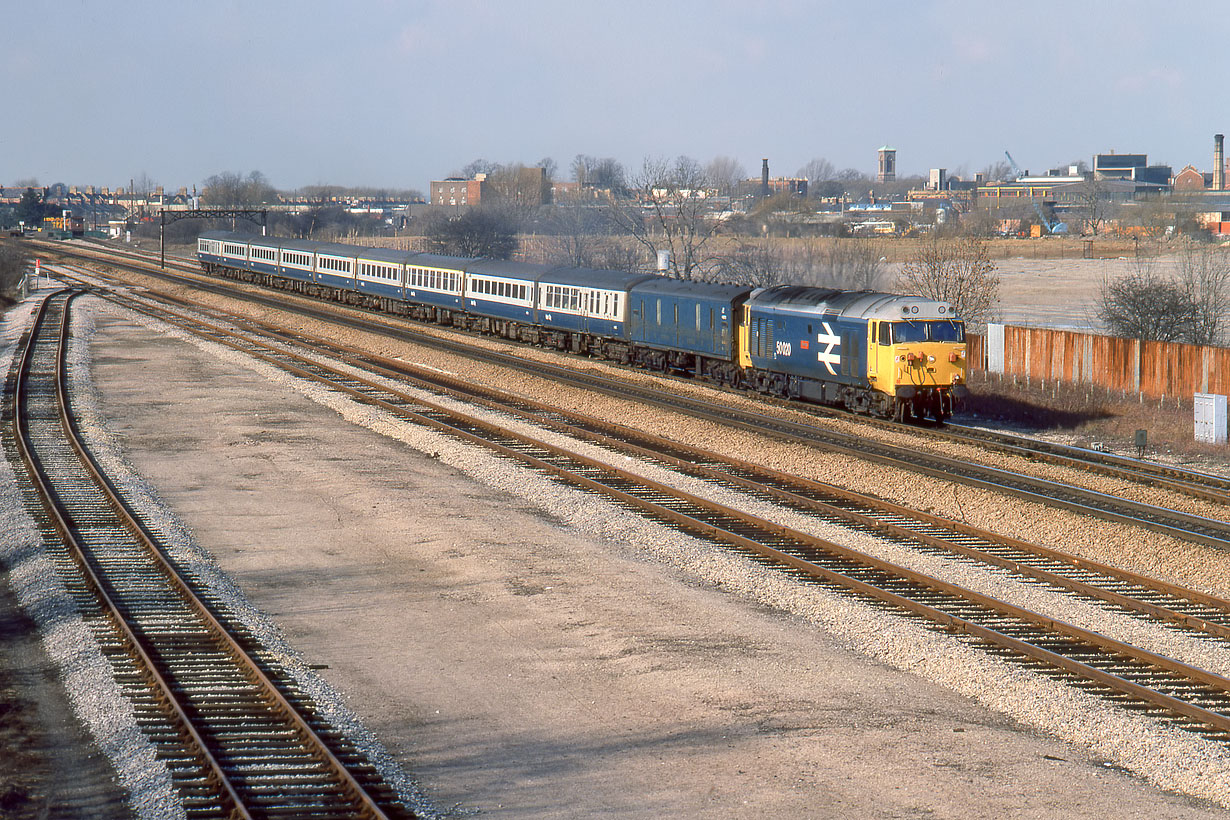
(1219, 163)
(764, 177)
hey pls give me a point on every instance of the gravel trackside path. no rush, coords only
(526, 651)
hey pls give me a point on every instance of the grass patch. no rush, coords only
(1083, 415)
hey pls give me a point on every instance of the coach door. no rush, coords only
(872, 358)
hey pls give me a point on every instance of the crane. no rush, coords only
(1015, 168)
(1053, 226)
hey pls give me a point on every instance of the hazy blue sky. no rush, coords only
(395, 92)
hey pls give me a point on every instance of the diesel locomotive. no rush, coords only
(882, 354)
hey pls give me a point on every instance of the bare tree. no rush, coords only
(817, 170)
(759, 264)
(232, 190)
(853, 264)
(848, 264)
(958, 271)
(725, 174)
(1001, 171)
(671, 213)
(14, 263)
(1142, 304)
(576, 236)
(1093, 207)
(477, 232)
(518, 186)
(580, 169)
(604, 174)
(1204, 277)
(549, 168)
(144, 183)
(478, 166)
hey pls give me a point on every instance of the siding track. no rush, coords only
(238, 737)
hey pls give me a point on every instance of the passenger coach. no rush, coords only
(502, 292)
(588, 307)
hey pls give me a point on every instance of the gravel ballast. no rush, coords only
(1001, 784)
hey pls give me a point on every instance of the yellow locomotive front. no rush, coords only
(917, 360)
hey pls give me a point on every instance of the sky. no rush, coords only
(395, 93)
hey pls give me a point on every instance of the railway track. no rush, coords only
(1151, 474)
(238, 737)
(1209, 531)
(1136, 677)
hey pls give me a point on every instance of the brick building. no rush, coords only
(458, 191)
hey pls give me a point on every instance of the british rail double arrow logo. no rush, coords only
(827, 356)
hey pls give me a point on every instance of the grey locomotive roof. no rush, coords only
(863, 304)
(513, 270)
(695, 290)
(590, 277)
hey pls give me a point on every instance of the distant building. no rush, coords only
(888, 164)
(564, 191)
(523, 185)
(1190, 179)
(457, 191)
(788, 185)
(771, 186)
(1133, 167)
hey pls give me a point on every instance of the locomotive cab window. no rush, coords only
(935, 330)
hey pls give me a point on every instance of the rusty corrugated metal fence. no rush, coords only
(1153, 369)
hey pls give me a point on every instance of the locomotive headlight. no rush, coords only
(930, 358)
